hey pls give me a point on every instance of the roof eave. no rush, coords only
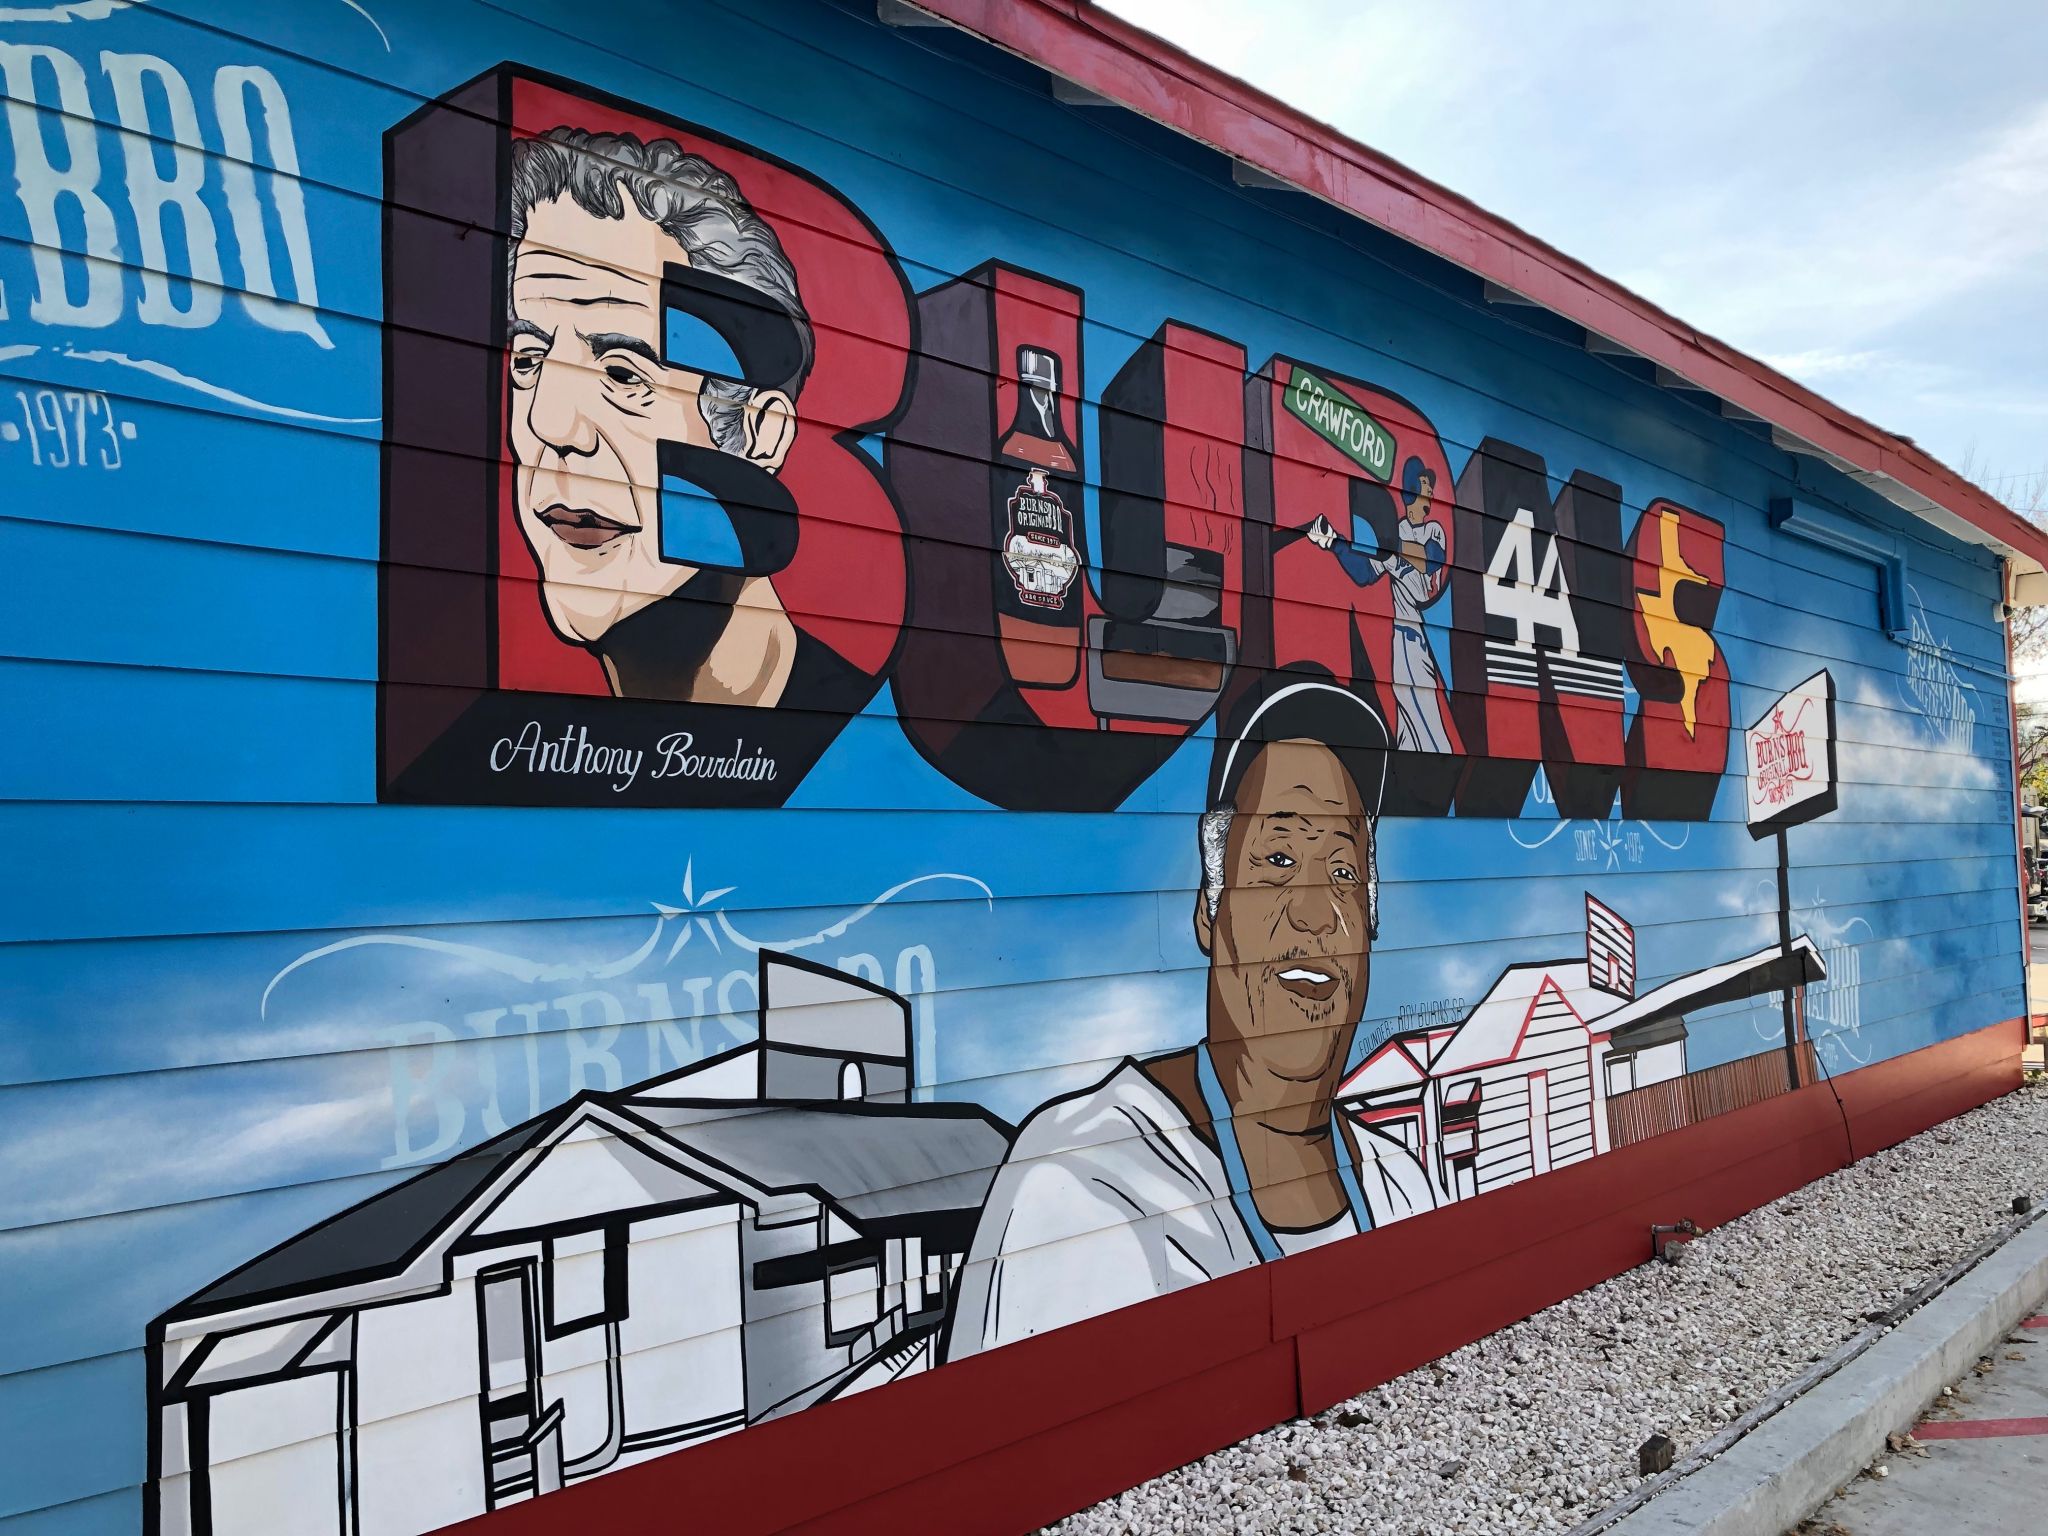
(1097, 58)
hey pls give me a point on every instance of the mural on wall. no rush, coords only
(673, 350)
(644, 595)
(677, 454)
(644, 598)
(779, 1224)
(1563, 1060)
(1935, 684)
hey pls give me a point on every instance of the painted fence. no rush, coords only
(752, 714)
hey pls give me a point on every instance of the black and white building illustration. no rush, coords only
(624, 1274)
(1562, 1061)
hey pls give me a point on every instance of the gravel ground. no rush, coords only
(1537, 1427)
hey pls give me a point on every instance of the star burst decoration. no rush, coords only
(693, 915)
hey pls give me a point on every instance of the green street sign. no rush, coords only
(1342, 421)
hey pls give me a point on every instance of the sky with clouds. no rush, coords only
(1857, 194)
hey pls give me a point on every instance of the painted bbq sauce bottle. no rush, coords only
(1038, 558)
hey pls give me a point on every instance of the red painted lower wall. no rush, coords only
(1004, 1442)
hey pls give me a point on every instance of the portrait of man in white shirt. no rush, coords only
(1205, 1161)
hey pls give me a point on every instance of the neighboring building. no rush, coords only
(627, 1273)
(1560, 1062)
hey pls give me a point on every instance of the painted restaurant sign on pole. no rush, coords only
(1790, 758)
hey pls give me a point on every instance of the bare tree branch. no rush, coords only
(2027, 494)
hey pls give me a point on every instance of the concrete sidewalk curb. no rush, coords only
(1792, 1463)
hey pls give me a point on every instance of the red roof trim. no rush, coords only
(1388, 1112)
(1130, 66)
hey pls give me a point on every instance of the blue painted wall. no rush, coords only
(238, 994)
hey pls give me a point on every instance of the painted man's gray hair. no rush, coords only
(1214, 835)
(699, 206)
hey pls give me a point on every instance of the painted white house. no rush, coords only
(627, 1273)
(1523, 1083)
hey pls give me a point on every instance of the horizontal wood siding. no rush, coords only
(428, 731)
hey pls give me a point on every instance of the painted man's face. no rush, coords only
(591, 401)
(1289, 945)
(1425, 493)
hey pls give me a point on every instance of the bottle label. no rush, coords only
(1040, 558)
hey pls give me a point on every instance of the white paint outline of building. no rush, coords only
(1461, 1097)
